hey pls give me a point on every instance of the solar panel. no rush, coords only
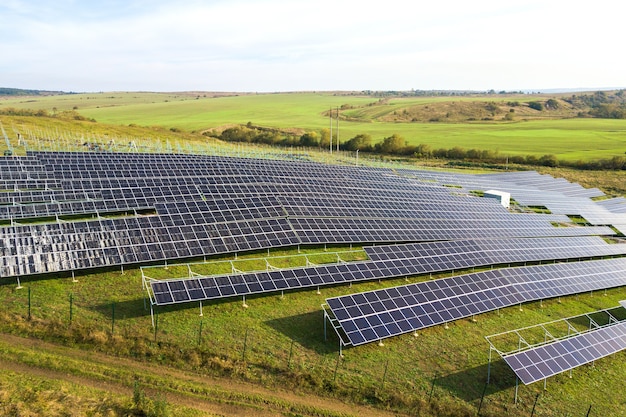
(430, 257)
(429, 303)
(211, 204)
(541, 362)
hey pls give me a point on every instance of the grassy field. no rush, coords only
(87, 356)
(278, 342)
(568, 139)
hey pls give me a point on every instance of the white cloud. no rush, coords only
(270, 45)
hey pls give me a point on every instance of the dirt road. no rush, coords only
(275, 402)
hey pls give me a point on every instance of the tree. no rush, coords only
(617, 163)
(325, 138)
(537, 105)
(423, 151)
(393, 144)
(492, 107)
(552, 104)
(309, 139)
(548, 161)
(361, 142)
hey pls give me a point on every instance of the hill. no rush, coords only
(509, 126)
(4, 91)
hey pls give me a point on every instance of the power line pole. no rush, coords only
(337, 129)
(330, 116)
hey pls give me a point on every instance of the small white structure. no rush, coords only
(502, 196)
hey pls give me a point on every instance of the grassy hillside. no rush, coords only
(530, 132)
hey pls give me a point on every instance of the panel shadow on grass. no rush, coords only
(307, 329)
(469, 384)
(140, 307)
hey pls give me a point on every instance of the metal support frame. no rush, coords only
(523, 344)
(334, 323)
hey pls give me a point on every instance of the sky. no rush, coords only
(321, 45)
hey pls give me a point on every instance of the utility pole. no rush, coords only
(330, 116)
(337, 129)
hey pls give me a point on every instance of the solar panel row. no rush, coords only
(342, 230)
(424, 258)
(375, 315)
(498, 251)
(35, 249)
(553, 358)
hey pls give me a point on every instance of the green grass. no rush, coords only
(279, 341)
(568, 139)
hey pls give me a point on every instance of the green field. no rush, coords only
(278, 342)
(271, 358)
(567, 139)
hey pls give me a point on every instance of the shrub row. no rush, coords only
(396, 145)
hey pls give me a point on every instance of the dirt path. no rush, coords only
(205, 404)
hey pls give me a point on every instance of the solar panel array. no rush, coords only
(386, 262)
(65, 211)
(532, 189)
(375, 315)
(541, 362)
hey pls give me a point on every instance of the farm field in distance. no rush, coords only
(88, 346)
(530, 132)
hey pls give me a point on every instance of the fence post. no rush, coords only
(71, 307)
(290, 354)
(245, 344)
(432, 388)
(156, 323)
(482, 398)
(385, 374)
(336, 367)
(532, 413)
(112, 318)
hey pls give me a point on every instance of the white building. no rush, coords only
(503, 197)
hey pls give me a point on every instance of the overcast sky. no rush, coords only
(294, 45)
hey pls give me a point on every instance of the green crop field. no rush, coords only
(568, 139)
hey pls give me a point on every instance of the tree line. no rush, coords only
(64, 114)
(601, 104)
(396, 145)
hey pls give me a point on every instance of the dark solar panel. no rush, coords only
(437, 257)
(209, 205)
(436, 302)
(541, 362)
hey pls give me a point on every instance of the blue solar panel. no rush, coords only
(541, 362)
(437, 302)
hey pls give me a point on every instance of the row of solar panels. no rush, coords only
(411, 259)
(541, 362)
(104, 166)
(376, 315)
(190, 199)
(41, 248)
(131, 241)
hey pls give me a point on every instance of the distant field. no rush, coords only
(568, 139)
